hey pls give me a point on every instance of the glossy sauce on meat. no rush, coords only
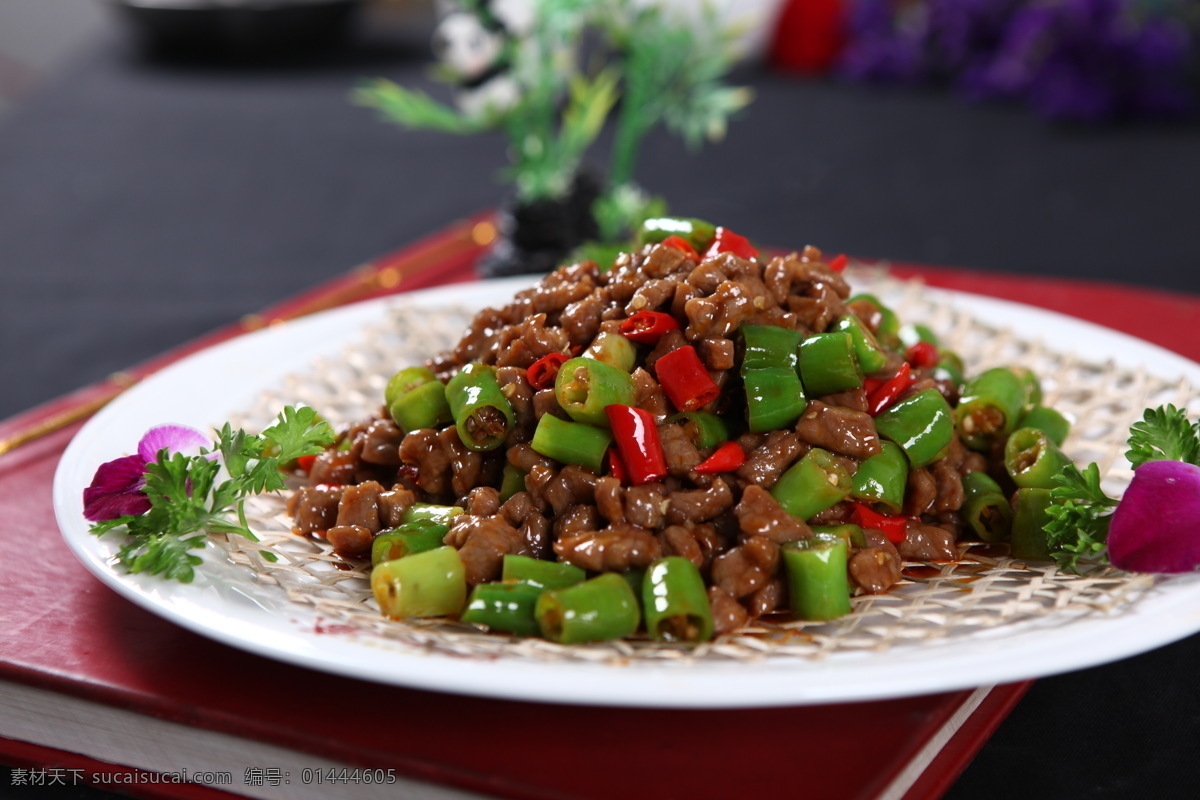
(727, 524)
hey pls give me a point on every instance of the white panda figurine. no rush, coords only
(473, 43)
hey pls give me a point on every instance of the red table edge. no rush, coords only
(952, 759)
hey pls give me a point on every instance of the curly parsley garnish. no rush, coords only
(187, 499)
(1079, 516)
(1081, 512)
(1164, 434)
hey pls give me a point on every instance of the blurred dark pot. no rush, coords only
(240, 27)
(536, 237)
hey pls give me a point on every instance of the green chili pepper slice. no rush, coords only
(695, 232)
(770, 346)
(406, 540)
(889, 324)
(1028, 524)
(429, 584)
(423, 407)
(911, 333)
(585, 387)
(547, 574)
(595, 610)
(1047, 420)
(481, 412)
(405, 381)
(985, 509)
(614, 350)
(774, 398)
(507, 606)
(512, 480)
(676, 602)
(1033, 386)
(828, 364)
(1033, 460)
(871, 355)
(950, 367)
(816, 571)
(990, 406)
(571, 442)
(704, 430)
(882, 478)
(636, 578)
(851, 533)
(813, 484)
(428, 511)
(923, 425)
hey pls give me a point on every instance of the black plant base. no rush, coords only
(505, 259)
(537, 237)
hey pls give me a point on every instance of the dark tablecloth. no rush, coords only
(145, 203)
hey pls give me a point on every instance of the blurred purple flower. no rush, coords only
(961, 32)
(116, 488)
(884, 45)
(1084, 60)
(1090, 60)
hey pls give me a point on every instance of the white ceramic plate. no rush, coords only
(226, 604)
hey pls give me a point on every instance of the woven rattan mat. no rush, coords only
(985, 593)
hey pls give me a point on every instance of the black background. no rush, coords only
(143, 203)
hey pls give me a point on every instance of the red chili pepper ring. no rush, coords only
(647, 327)
(541, 373)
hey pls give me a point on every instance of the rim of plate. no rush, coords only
(247, 617)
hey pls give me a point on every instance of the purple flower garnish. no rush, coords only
(1154, 528)
(173, 438)
(116, 488)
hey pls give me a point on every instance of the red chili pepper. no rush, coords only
(680, 243)
(616, 467)
(922, 354)
(683, 377)
(871, 384)
(541, 373)
(839, 263)
(636, 437)
(886, 394)
(894, 528)
(726, 458)
(726, 241)
(408, 472)
(306, 462)
(647, 327)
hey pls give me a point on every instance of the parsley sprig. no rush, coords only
(1081, 511)
(1079, 516)
(1164, 434)
(187, 499)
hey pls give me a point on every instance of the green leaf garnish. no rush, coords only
(187, 501)
(1164, 434)
(1079, 517)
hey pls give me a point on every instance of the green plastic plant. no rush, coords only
(672, 76)
(666, 72)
